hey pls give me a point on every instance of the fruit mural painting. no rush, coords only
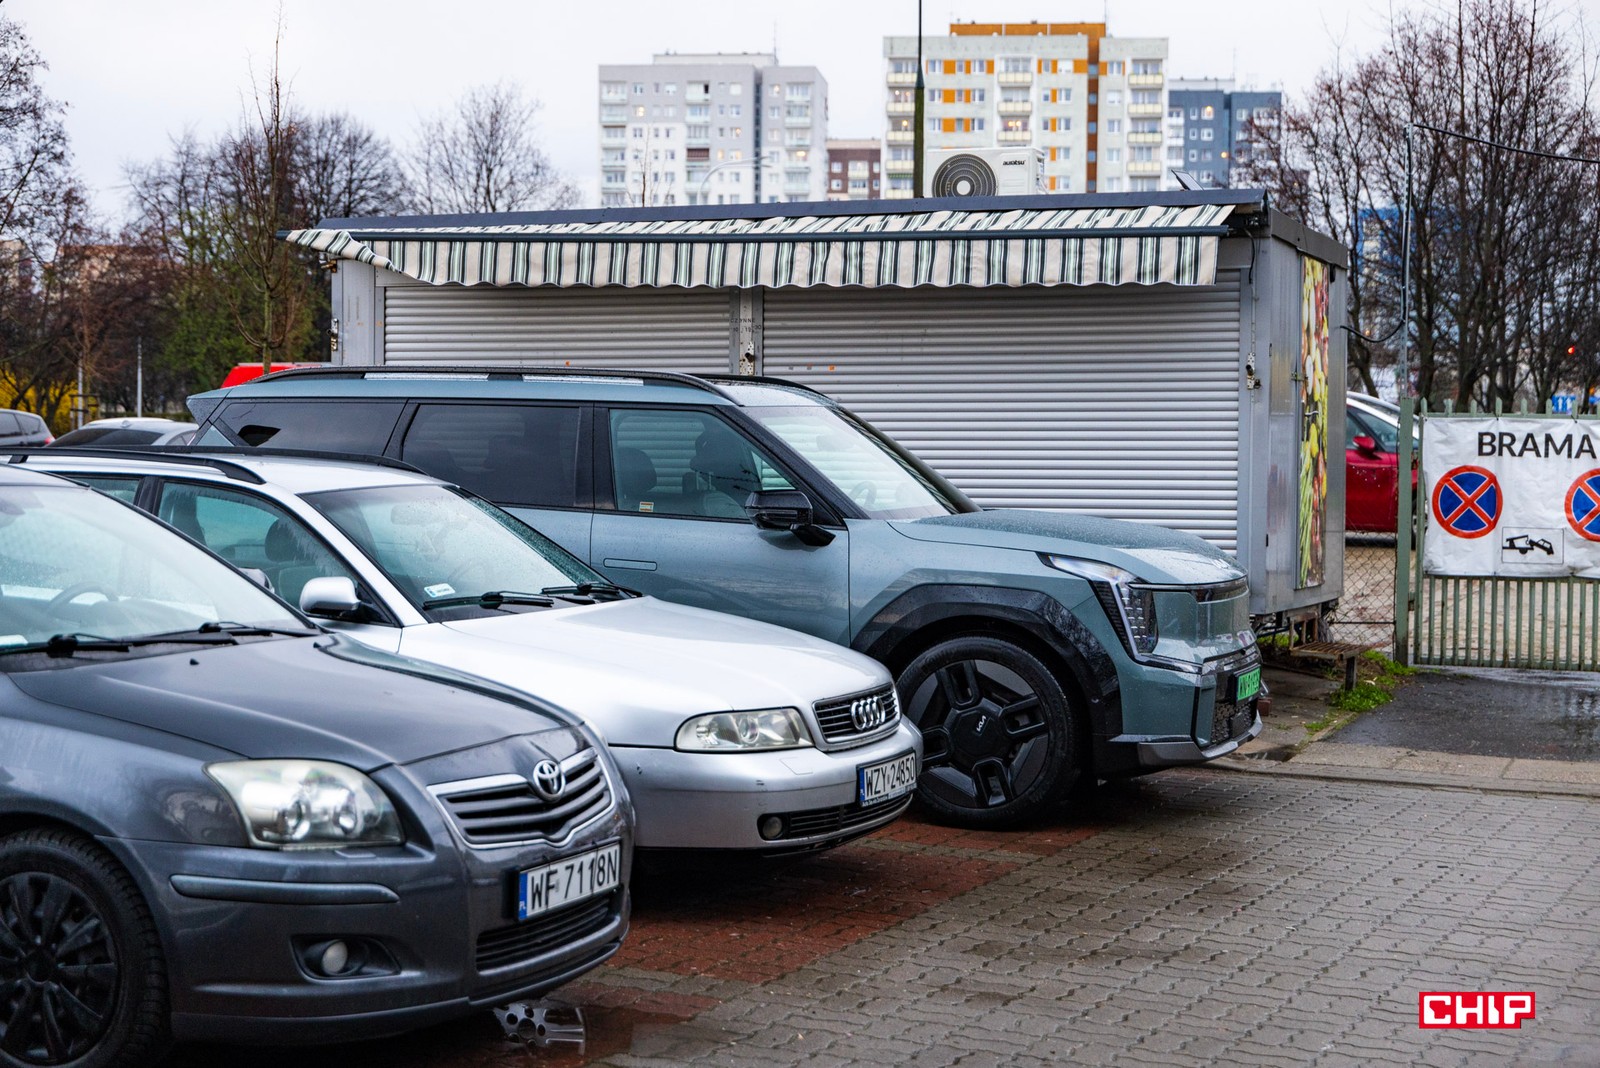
(1313, 496)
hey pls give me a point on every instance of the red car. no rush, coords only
(1372, 464)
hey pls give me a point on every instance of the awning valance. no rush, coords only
(1069, 246)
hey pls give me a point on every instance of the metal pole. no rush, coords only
(1405, 509)
(77, 408)
(138, 377)
(917, 132)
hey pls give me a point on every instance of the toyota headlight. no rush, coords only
(308, 804)
(1130, 607)
(730, 732)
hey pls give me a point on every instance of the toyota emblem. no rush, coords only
(867, 713)
(548, 780)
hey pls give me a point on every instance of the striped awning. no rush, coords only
(1069, 246)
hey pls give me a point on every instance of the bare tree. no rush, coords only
(485, 156)
(1504, 242)
(342, 169)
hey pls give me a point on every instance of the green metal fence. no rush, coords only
(1546, 623)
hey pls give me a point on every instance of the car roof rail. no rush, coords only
(158, 454)
(284, 452)
(765, 380)
(496, 373)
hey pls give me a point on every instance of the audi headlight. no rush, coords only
(1130, 607)
(308, 804)
(730, 732)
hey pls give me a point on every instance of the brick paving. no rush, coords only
(1195, 917)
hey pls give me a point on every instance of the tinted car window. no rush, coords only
(319, 426)
(250, 532)
(123, 489)
(513, 454)
(9, 427)
(685, 463)
(108, 436)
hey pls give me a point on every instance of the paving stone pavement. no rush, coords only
(1193, 917)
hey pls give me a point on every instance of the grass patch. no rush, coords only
(1364, 698)
(1377, 677)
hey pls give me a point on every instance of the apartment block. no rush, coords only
(1212, 127)
(855, 169)
(712, 129)
(1092, 103)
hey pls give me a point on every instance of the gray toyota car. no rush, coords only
(1033, 649)
(219, 822)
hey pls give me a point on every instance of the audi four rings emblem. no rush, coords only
(548, 780)
(868, 712)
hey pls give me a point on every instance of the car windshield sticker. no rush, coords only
(440, 589)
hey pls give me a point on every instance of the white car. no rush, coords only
(123, 433)
(730, 734)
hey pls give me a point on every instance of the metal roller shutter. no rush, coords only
(1117, 401)
(669, 330)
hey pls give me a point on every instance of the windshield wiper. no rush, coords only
(492, 599)
(250, 630)
(590, 589)
(64, 645)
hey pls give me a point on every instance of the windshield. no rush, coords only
(437, 543)
(75, 562)
(882, 478)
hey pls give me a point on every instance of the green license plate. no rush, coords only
(1249, 684)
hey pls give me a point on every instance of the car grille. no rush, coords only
(507, 808)
(836, 820)
(1231, 719)
(837, 717)
(507, 946)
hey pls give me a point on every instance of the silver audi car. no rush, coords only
(730, 734)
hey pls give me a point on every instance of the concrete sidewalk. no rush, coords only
(1492, 714)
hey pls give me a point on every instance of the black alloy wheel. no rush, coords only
(82, 979)
(998, 731)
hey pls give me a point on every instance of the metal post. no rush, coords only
(917, 132)
(138, 377)
(1406, 509)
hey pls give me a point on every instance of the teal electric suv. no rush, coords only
(1033, 649)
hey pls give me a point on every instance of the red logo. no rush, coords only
(1475, 1009)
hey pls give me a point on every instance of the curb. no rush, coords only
(1406, 777)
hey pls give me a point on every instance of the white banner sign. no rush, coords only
(1512, 497)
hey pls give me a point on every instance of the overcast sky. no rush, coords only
(136, 73)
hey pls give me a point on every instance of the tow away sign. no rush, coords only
(1513, 497)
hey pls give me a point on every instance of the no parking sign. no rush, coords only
(1515, 497)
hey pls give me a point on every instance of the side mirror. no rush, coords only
(1366, 446)
(259, 577)
(330, 597)
(785, 510)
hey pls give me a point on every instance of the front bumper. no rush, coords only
(236, 922)
(716, 801)
(1182, 718)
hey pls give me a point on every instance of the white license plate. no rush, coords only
(571, 879)
(887, 779)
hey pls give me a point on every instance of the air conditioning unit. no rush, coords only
(983, 172)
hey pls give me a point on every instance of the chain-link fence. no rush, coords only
(1366, 610)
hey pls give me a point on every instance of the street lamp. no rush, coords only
(918, 132)
(754, 161)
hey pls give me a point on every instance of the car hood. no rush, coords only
(1153, 553)
(636, 669)
(309, 698)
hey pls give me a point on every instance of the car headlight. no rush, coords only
(730, 732)
(308, 804)
(1130, 607)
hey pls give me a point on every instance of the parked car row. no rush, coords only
(716, 615)
(1372, 465)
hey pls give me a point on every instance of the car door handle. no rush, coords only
(629, 565)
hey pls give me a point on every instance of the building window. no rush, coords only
(1194, 114)
(1193, 133)
(835, 166)
(836, 183)
(799, 91)
(1147, 66)
(1175, 114)
(1208, 112)
(1112, 185)
(1113, 126)
(1113, 98)
(1112, 155)
(735, 89)
(1016, 65)
(671, 88)
(1194, 154)
(1207, 134)
(1114, 67)
(638, 87)
(902, 66)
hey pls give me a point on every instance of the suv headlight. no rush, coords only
(730, 732)
(308, 804)
(1130, 607)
